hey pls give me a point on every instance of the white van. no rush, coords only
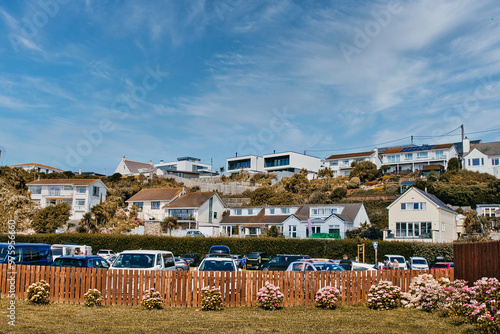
(144, 260)
(401, 260)
(69, 250)
(418, 263)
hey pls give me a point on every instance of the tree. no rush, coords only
(384, 169)
(338, 194)
(169, 224)
(365, 170)
(354, 183)
(16, 206)
(318, 197)
(472, 223)
(274, 232)
(114, 178)
(48, 219)
(297, 183)
(453, 165)
(325, 172)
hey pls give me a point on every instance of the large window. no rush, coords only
(393, 158)
(477, 162)
(413, 230)
(139, 205)
(182, 214)
(314, 229)
(155, 205)
(440, 155)
(54, 190)
(36, 190)
(408, 156)
(277, 161)
(414, 206)
(80, 202)
(81, 190)
(292, 231)
(240, 164)
(68, 188)
(334, 163)
(422, 155)
(95, 191)
(334, 229)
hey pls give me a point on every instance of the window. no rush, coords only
(334, 163)
(238, 212)
(475, 162)
(422, 155)
(346, 162)
(31, 254)
(54, 190)
(393, 158)
(139, 205)
(95, 191)
(240, 164)
(292, 230)
(414, 206)
(37, 190)
(334, 229)
(155, 205)
(495, 161)
(68, 188)
(316, 229)
(271, 211)
(413, 230)
(80, 202)
(215, 215)
(285, 210)
(408, 156)
(277, 161)
(250, 212)
(81, 190)
(440, 155)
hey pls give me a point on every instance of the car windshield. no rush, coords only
(400, 259)
(419, 261)
(69, 263)
(328, 266)
(134, 261)
(215, 265)
(441, 265)
(57, 251)
(4, 251)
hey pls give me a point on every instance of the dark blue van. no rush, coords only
(25, 253)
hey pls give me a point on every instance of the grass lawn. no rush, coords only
(66, 318)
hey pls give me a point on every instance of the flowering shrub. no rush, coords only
(485, 304)
(38, 293)
(211, 299)
(93, 297)
(425, 293)
(270, 297)
(327, 297)
(384, 296)
(152, 299)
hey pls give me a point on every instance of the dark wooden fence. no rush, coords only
(475, 260)
(68, 285)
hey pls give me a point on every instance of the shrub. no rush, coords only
(38, 293)
(152, 299)
(93, 297)
(425, 293)
(384, 296)
(485, 304)
(327, 297)
(211, 299)
(270, 297)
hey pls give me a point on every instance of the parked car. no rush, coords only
(112, 258)
(81, 261)
(217, 264)
(237, 260)
(313, 266)
(417, 263)
(443, 265)
(219, 249)
(363, 266)
(26, 253)
(144, 260)
(193, 259)
(256, 259)
(401, 260)
(194, 233)
(181, 264)
(70, 249)
(105, 253)
(282, 261)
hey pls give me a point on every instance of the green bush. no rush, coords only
(333, 249)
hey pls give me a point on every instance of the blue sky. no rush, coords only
(84, 82)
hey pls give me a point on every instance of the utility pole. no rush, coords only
(463, 134)
(411, 140)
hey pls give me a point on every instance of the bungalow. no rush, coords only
(340, 164)
(36, 167)
(419, 216)
(133, 168)
(80, 194)
(150, 202)
(482, 157)
(198, 210)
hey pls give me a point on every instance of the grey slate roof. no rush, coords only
(492, 148)
(134, 166)
(435, 200)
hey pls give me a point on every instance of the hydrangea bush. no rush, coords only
(211, 299)
(384, 296)
(270, 297)
(425, 293)
(327, 297)
(38, 293)
(93, 297)
(152, 299)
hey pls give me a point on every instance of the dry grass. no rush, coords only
(65, 318)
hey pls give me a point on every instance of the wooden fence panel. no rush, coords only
(476, 260)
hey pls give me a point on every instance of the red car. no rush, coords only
(443, 265)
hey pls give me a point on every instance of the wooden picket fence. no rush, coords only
(183, 289)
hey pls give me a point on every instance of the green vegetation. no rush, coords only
(65, 318)
(48, 219)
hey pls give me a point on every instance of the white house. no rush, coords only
(187, 167)
(129, 167)
(482, 157)
(150, 202)
(423, 158)
(291, 162)
(295, 221)
(419, 216)
(340, 164)
(80, 194)
(247, 163)
(36, 167)
(488, 210)
(198, 210)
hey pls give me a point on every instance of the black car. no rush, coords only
(193, 259)
(282, 261)
(84, 261)
(256, 259)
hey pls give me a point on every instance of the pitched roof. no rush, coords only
(36, 164)
(260, 218)
(134, 166)
(155, 194)
(75, 182)
(434, 200)
(350, 155)
(492, 148)
(410, 148)
(348, 214)
(190, 200)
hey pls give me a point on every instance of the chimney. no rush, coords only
(150, 162)
(236, 154)
(161, 161)
(466, 146)
(80, 171)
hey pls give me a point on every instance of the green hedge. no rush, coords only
(333, 249)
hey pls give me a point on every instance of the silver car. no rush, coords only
(181, 264)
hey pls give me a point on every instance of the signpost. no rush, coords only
(375, 245)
